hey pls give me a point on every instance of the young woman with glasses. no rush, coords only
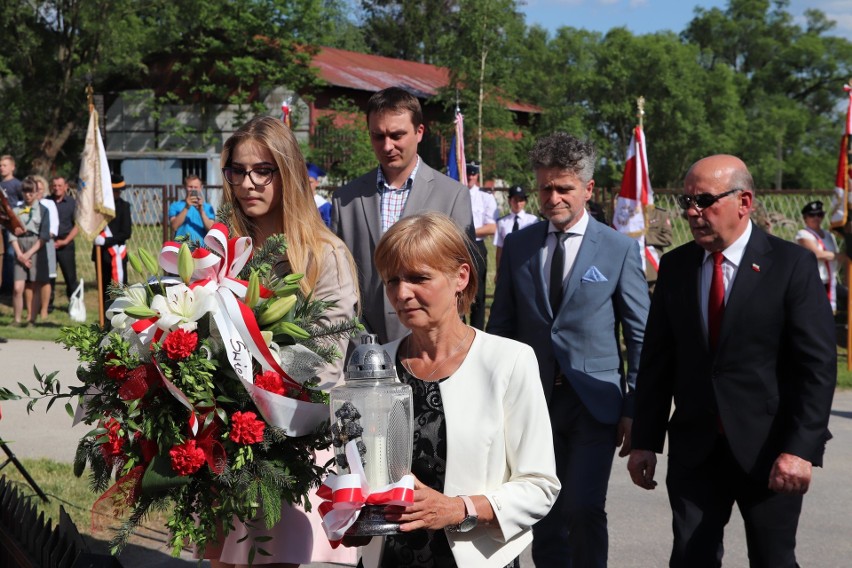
(266, 184)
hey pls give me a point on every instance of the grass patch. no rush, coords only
(58, 481)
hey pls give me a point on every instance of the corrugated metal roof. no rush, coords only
(372, 73)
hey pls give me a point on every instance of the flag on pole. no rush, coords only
(635, 195)
(95, 202)
(457, 165)
(285, 113)
(840, 201)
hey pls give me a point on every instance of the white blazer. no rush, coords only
(499, 444)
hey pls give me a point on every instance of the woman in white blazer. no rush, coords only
(483, 451)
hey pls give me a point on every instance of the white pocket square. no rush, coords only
(593, 275)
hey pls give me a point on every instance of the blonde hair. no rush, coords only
(43, 181)
(429, 239)
(306, 233)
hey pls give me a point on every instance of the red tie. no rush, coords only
(716, 305)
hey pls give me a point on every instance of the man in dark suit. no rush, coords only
(111, 242)
(564, 285)
(740, 336)
(403, 185)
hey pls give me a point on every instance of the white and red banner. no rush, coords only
(95, 201)
(635, 195)
(840, 201)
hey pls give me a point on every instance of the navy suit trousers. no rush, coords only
(574, 532)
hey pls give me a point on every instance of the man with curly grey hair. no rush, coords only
(566, 284)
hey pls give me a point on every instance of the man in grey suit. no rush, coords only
(402, 185)
(565, 286)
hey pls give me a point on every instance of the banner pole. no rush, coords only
(100, 271)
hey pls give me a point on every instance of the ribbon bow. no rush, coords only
(345, 495)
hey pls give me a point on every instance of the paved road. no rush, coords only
(640, 535)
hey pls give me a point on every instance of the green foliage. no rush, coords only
(341, 143)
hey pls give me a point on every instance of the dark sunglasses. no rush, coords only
(821, 214)
(702, 200)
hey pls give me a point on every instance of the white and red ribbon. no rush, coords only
(217, 268)
(345, 495)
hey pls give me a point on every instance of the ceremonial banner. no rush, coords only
(456, 163)
(840, 201)
(95, 202)
(635, 196)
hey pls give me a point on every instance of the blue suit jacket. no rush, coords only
(581, 338)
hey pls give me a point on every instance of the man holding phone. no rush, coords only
(193, 216)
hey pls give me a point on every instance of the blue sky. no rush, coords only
(648, 16)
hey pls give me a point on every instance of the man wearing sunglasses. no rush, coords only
(824, 246)
(740, 337)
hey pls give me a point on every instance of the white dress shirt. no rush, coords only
(572, 246)
(484, 208)
(730, 265)
(505, 224)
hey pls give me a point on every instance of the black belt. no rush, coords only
(30, 234)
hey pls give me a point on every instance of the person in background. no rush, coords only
(564, 286)
(66, 207)
(741, 339)
(192, 217)
(484, 208)
(658, 237)
(323, 205)
(823, 244)
(401, 186)
(484, 470)
(112, 242)
(517, 219)
(30, 256)
(266, 184)
(12, 188)
(41, 303)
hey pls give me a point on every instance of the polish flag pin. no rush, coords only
(755, 267)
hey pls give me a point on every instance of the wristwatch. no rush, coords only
(470, 517)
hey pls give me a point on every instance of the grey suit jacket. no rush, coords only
(356, 218)
(580, 340)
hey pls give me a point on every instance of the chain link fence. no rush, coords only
(149, 209)
(779, 211)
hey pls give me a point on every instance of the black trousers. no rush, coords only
(477, 309)
(702, 498)
(65, 259)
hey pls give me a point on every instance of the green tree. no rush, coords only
(188, 51)
(341, 143)
(50, 49)
(408, 29)
(789, 80)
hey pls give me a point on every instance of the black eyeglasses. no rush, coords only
(702, 200)
(258, 176)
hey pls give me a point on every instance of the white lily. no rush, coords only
(183, 306)
(134, 296)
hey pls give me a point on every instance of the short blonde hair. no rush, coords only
(430, 239)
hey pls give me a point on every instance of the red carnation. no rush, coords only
(112, 447)
(246, 428)
(115, 372)
(180, 344)
(270, 381)
(187, 458)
